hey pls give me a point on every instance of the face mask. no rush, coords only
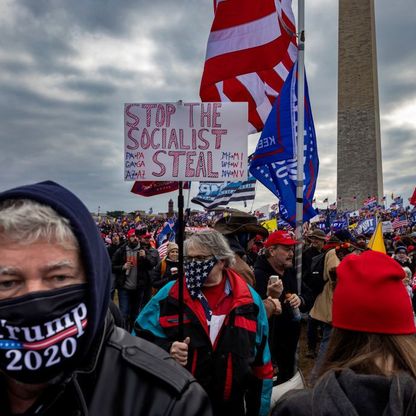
(196, 273)
(41, 333)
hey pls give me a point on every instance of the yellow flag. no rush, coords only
(376, 242)
(270, 225)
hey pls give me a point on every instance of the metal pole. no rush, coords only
(181, 238)
(189, 195)
(300, 141)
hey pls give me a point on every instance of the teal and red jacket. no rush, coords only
(236, 371)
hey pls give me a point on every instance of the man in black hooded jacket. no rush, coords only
(60, 352)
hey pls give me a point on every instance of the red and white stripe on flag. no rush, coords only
(163, 249)
(250, 51)
(400, 222)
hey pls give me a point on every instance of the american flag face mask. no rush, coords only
(197, 270)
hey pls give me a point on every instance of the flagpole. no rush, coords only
(300, 140)
(189, 195)
(181, 229)
(255, 190)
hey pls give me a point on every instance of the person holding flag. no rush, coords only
(225, 328)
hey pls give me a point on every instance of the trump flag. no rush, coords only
(267, 166)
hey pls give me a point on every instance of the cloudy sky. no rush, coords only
(67, 68)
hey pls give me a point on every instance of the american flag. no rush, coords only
(400, 222)
(163, 249)
(250, 51)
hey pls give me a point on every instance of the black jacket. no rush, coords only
(263, 270)
(114, 373)
(158, 279)
(144, 266)
(125, 376)
(284, 329)
(346, 393)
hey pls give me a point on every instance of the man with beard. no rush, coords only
(316, 244)
(133, 262)
(60, 352)
(284, 328)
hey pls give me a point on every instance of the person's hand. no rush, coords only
(294, 300)
(277, 306)
(142, 253)
(179, 351)
(274, 290)
(127, 266)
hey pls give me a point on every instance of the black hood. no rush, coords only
(347, 393)
(93, 252)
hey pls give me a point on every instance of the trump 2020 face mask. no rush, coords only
(41, 333)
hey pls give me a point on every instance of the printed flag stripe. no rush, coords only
(245, 36)
(250, 51)
(56, 338)
(163, 249)
(213, 194)
(397, 223)
(226, 16)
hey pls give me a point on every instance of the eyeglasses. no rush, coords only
(188, 259)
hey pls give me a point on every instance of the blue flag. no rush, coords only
(366, 226)
(167, 233)
(339, 225)
(274, 162)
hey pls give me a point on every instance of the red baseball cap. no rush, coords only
(280, 237)
(131, 233)
(371, 297)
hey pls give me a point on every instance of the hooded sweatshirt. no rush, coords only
(346, 393)
(94, 254)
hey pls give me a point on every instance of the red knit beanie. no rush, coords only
(371, 297)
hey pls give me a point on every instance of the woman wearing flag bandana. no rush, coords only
(225, 327)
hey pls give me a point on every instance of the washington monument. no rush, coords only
(359, 149)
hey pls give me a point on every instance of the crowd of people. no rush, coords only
(93, 320)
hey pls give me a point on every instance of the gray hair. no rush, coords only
(24, 221)
(213, 242)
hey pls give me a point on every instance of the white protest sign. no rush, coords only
(185, 141)
(387, 227)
